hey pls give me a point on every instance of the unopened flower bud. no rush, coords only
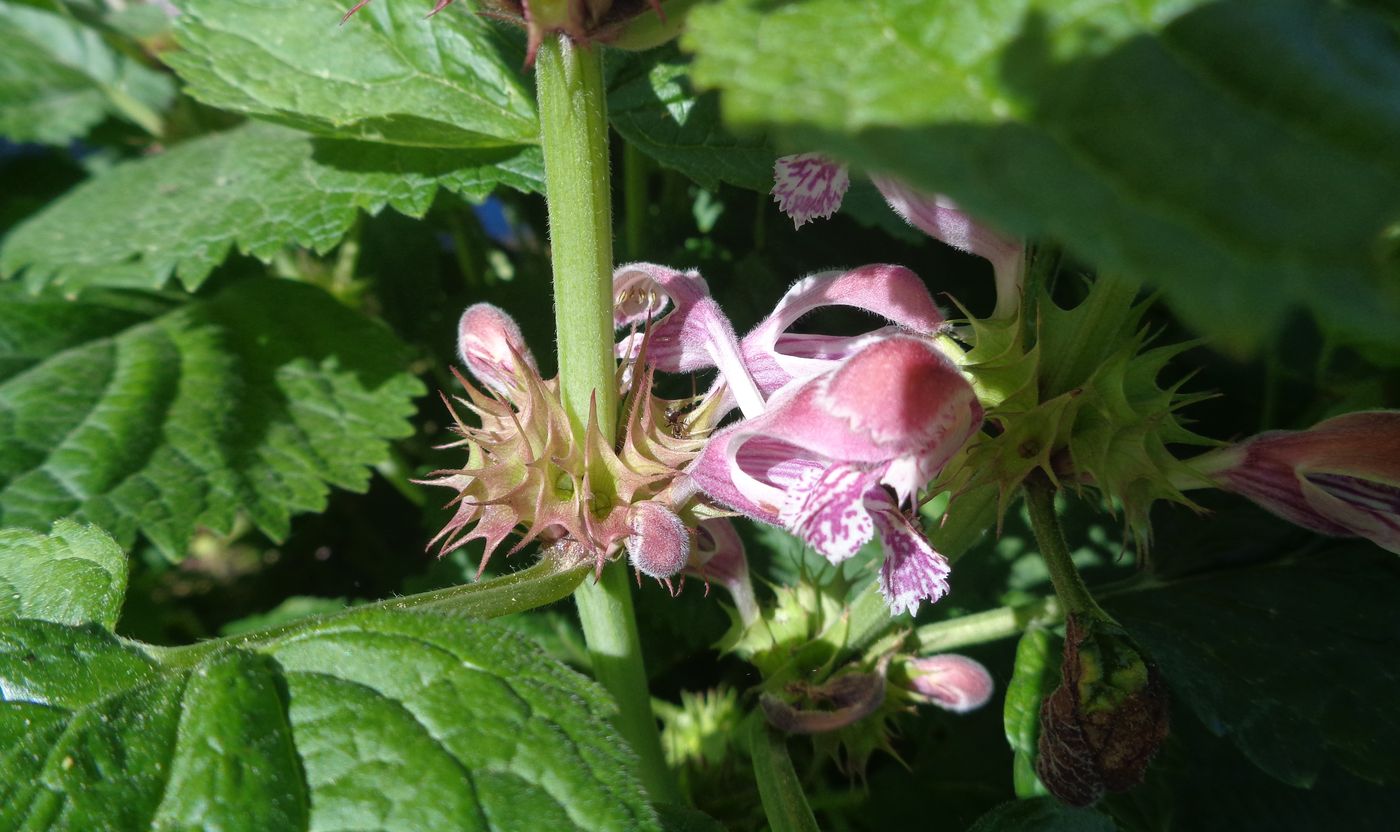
(1103, 725)
(659, 543)
(490, 344)
(952, 682)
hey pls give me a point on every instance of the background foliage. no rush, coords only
(217, 348)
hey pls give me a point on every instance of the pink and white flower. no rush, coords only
(1340, 477)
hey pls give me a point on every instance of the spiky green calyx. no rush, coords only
(1082, 404)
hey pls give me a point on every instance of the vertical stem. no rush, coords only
(634, 191)
(574, 137)
(779, 787)
(1069, 586)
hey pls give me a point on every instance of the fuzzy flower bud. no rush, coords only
(658, 543)
(952, 682)
(1103, 725)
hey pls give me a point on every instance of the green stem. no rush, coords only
(779, 787)
(982, 627)
(634, 194)
(574, 137)
(1069, 586)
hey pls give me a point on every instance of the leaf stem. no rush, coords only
(784, 801)
(982, 627)
(634, 194)
(574, 137)
(1069, 585)
(547, 581)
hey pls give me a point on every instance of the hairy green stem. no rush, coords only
(574, 137)
(982, 627)
(1069, 585)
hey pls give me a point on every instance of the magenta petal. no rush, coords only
(942, 219)
(912, 572)
(490, 344)
(952, 682)
(809, 186)
(827, 510)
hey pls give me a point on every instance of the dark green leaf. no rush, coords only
(1296, 662)
(372, 720)
(73, 575)
(258, 187)
(254, 401)
(652, 106)
(686, 819)
(1042, 814)
(59, 78)
(387, 75)
(1035, 675)
(1083, 122)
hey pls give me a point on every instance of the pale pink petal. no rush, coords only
(809, 186)
(952, 682)
(827, 510)
(719, 556)
(941, 218)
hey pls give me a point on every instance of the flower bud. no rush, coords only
(659, 543)
(1104, 723)
(952, 682)
(1340, 477)
(490, 344)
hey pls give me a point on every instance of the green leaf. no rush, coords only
(1296, 663)
(1082, 121)
(1035, 675)
(386, 75)
(652, 106)
(1042, 814)
(784, 801)
(59, 78)
(73, 575)
(373, 720)
(254, 401)
(259, 187)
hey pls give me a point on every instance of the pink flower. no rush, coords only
(833, 458)
(811, 186)
(952, 682)
(1340, 477)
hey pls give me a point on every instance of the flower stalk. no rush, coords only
(1069, 585)
(574, 138)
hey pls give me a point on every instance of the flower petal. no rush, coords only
(912, 572)
(809, 186)
(826, 508)
(658, 543)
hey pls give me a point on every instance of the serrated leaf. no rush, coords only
(386, 75)
(1034, 676)
(1081, 121)
(73, 575)
(257, 187)
(59, 78)
(652, 106)
(1042, 814)
(254, 401)
(374, 720)
(1295, 663)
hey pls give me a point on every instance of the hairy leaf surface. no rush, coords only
(257, 187)
(256, 400)
(1242, 181)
